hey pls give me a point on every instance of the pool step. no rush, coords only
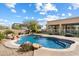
(60, 43)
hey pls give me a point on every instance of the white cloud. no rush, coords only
(42, 22)
(6, 20)
(50, 7)
(13, 10)
(69, 14)
(43, 25)
(39, 19)
(3, 20)
(30, 5)
(11, 6)
(63, 14)
(26, 17)
(38, 6)
(42, 13)
(52, 17)
(32, 17)
(18, 16)
(75, 5)
(23, 10)
(70, 8)
(48, 18)
(44, 8)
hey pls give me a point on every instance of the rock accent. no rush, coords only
(36, 46)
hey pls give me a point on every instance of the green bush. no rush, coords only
(1, 36)
(8, 32)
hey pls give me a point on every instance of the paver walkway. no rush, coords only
(4, 51)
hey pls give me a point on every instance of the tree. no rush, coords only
(3, 27)
(16, 26)
(32, 25)
(6, 32)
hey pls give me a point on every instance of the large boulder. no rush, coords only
(26, 47)
(36, 46)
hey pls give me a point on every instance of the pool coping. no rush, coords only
(71, 48)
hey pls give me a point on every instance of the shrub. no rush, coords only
(1, 36)
(26, 47)
(8, 32)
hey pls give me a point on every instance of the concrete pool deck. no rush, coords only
(46, 52)
(72, 51)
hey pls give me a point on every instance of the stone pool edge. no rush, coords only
(71, 48)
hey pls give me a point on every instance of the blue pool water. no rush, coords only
(48, 42)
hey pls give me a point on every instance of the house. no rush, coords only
(64, 26)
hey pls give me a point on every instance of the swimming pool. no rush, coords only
(48, 42)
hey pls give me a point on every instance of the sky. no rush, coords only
(18, 12)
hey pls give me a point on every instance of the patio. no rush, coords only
(4, 51)
(73, 51)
